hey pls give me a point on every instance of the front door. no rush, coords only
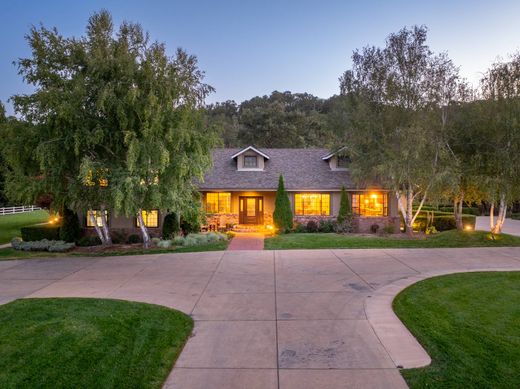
(251, 210)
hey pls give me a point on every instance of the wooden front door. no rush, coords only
(251, 210)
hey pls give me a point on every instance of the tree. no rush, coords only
(117, 123)
(393, 94)
(345, 210)
(282, 215)
(501, 156)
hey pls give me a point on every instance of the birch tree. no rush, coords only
(501, 93)
(393, 93)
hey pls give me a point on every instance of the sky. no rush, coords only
(250, 48)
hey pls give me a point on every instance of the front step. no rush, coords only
(249, 228)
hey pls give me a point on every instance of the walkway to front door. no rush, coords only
(247, 241)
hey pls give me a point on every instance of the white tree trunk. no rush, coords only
(144, 230)
(99, 233)
(104, 226)
(496, 226)
(405, 202)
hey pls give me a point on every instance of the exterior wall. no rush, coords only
(124, 225)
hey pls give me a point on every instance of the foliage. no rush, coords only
(165, 244)
(133, 238)
(312, 226)
(70, 230)
(282, 215)
(113, 122)
(345, 210)
(468, 324)
(52, 343)
(178, 240)
(171, 226)
(327, 226)
(192, 219)
(374, 228)
(55, 246)
(118, 237)
(34, 233)
(88, 241)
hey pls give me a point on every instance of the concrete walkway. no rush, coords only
(247, 241)
(511, 226)
(267, 319)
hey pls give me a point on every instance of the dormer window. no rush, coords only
(343, 162)
(250, 161)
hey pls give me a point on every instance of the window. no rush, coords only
(150, 218)
(311, 204)
(97, 215)
(250, 161)
(101, 174)
(370, 204)
(343, 162)
(218, 202)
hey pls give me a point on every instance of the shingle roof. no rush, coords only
(302, 169)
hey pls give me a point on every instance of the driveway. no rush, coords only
(264, 319)
(511, 226)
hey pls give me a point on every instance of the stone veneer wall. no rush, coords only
(364, 224)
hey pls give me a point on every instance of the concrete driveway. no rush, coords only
(511, 226)
(266, 319)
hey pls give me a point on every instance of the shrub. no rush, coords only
(87, 241)
(312, 226)
(465, 210)
(345, 210)
(70, 230)
(282, 215)
(155, 240)
(164, 244)
(190, 241)
(346, 227)
(230, 235)
(40, 232)
(56, 246)
(190, 223)
(374, 228)
(389, 229)
(326, 226)
(199, 238)
(443, 221)
(171, 226)
(134, 238)
(118, 237)
(178, 241)
(300, 227)
(212, 237)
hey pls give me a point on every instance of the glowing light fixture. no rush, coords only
(468, 228)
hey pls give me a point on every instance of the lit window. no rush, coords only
(218, 202)
(97, 216)
(103, 181)
(250, 161)
(150, 218)
(370, 204)
(312, 204)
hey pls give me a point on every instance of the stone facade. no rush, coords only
(364, 224)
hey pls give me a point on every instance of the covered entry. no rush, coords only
(251, 210)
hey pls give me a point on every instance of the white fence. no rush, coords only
(20, 209)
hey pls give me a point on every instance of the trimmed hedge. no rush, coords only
(465, 210)
(34, 233)
(443, 221)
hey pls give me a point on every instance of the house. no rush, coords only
(240, 189)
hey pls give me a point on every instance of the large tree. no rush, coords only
(396, 100)
(501, 124)
(115, 119)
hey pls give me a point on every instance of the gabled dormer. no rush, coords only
(250, 159)
(338, 159)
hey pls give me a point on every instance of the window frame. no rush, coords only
(245, 166)
(346, 162)
(321, 194)
(357, 198)
(217, 212)
(100, 225)
(147, 216)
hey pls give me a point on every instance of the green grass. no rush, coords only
(451, 238)
(470, 326)
(9, 253)
(10, 224)
(88, 343)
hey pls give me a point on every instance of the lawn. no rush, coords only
(453, 238)
(88, 343)
(9, 253)
(470, 326)
(10, 224)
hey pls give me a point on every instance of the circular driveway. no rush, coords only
(268, 319)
